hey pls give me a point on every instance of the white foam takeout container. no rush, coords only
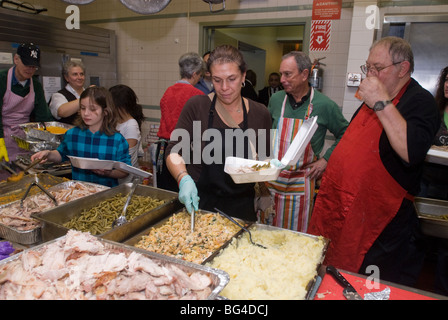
(291, 157)
(93, 164)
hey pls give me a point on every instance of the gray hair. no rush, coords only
(302, 59)
(189, 64)
(399, 49)
(71, 64)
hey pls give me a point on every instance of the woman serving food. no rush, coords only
(221, 118)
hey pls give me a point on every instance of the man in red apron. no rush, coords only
(21, 98)
(293, 191)
(364, 205)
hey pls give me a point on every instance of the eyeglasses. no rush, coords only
(365, 68)
(32, 67)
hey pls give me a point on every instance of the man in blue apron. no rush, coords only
(293, 191)
(21, 99)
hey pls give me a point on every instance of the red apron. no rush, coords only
(358, 197)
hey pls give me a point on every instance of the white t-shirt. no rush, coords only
(130, 130)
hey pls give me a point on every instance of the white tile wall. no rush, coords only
(148, 48)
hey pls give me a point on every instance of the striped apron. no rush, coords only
(16, 110)
(292, 192)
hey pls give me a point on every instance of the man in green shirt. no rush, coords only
(22, 99)
(294, 190)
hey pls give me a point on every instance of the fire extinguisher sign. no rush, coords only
(320, 35)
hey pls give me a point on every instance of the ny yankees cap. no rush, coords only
(29, 54)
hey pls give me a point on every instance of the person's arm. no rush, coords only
(61, 108)
(372, 90)
(188, 193)
(47, 155)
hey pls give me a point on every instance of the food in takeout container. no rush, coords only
(173, 237)
(79, 266)
(286, 270)
(248, 171)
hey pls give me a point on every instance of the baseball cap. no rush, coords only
(29, 54)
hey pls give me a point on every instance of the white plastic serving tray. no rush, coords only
(291, 157)
(97, 164)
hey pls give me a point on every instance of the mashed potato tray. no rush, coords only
(219, 278)
(54, 219)
(314, 283)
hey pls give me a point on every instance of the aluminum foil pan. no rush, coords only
(31, 130)
(35, 235)
(55, 218)
(219, 278)
(136, 238)
(34, 145)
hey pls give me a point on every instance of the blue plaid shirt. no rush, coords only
(84, 143)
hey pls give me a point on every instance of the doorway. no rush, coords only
(262, 44)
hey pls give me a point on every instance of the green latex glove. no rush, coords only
(3, 151)
(188, 194)
(277, 163)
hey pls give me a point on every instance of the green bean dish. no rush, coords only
(99, 219)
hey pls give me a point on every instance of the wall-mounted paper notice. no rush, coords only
(51, 85)
(5, 58)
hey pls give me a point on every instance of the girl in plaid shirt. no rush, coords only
(94, 136)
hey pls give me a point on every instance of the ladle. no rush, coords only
(122, 219)
(239, 225)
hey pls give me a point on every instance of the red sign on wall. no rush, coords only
(320, 35)
(327, 9)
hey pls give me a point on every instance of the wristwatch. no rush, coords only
(380, 105)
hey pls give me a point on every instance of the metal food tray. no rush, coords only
(33, 236)
(219, 278)
(34, 145)
(429, 212)
(136, 238)
(313, 284)
(31, 130)
(16, 189)
(54, 219)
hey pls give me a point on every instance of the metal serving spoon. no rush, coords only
(239, 225)
(122, 219)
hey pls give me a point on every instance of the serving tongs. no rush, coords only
(122, 219)
(242, 227)
(8, 168)
(36, 183)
